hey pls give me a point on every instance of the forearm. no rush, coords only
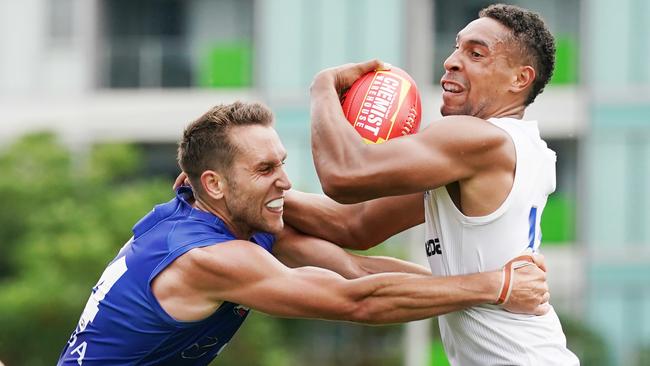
(336, 147)
(354, 226)
(295, 249)
(322, 217)
(384, 298)
(244, 273)
(380, 264)
(405, 297)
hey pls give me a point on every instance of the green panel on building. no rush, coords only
(566, 61)
(558, 220)
(227, 65)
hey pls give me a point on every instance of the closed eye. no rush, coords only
(267, 169)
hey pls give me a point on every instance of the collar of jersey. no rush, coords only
(185, 192)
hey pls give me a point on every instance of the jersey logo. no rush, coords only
(241, 310)
(433, 247)
(200, 349)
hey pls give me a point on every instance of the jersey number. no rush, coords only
(111, 274)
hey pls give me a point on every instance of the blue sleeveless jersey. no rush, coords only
(123, 323)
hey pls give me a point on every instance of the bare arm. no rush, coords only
(244, 273)
(452, 149)
(355, 226)
(295, 249)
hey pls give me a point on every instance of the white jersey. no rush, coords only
(457, 244)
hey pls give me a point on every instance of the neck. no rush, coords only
(220, 212)
(515, 110)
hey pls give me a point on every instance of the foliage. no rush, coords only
(64, 217)
(643, 355)
(259, 342)
(589, 346)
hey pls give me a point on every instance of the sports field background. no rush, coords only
(95, 93)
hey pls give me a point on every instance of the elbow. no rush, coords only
(342, 188)
(359, 242)
(344, 176)
(350, 239)
(335, 184)
(334, 193)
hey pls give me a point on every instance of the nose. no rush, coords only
(283, 181)
(452, 63)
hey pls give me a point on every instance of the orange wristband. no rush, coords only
(507, 273)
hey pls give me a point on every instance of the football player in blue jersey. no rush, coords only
(184, 283)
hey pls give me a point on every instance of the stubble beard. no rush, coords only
(465, 110)
(244, 212)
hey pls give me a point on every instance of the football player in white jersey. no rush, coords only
(479, 178)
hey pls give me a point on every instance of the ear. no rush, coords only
(524, 77)
(213, 184)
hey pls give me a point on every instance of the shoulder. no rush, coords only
(211, 267)
(225, 250)
(199, 280)
(227, 257)
(467, 138)
(468, 128)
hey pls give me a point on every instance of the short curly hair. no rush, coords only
(535, 41)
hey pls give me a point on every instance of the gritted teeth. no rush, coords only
(276, 203)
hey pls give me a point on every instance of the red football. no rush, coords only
(382, 105)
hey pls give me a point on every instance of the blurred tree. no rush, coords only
(60, 228)
(31, 176)
(643, 355)
(61, 224)
(587, 344)
(261, 341)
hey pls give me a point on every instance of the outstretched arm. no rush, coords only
(244, 273)
(295, 249)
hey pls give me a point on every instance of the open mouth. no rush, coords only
(451, 87)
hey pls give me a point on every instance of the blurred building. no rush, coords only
(140, 70)
(616, 175)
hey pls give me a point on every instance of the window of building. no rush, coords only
(60, 21)
(158, 159)
(177, 43)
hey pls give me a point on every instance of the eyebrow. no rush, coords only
(479, 42)
(266, 163)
